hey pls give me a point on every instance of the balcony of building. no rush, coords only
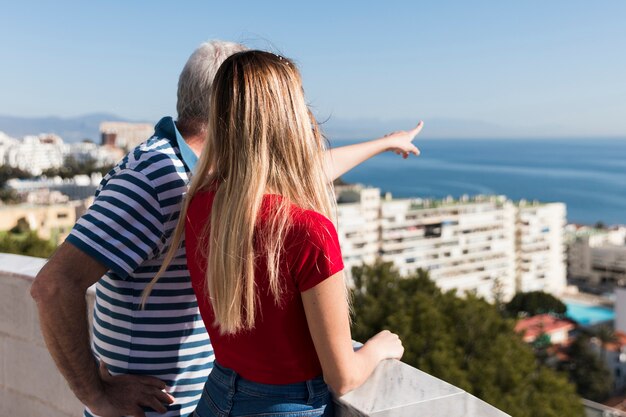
(30, 384)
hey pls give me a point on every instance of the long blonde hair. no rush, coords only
(262, 139)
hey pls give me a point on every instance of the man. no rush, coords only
(155, 358)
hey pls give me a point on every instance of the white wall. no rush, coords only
(30, 384)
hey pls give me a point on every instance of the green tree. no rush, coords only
(26, 244)
(535, 302)
(605, 335)
(464, 341)
(7, 172)
(593, 380)
(71, 167)
(9, 196)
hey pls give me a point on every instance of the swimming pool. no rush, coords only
(587, 315)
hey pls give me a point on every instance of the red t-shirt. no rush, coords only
(279, 349)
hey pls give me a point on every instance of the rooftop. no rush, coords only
(533, 327)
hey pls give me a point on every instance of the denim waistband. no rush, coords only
(300, 390)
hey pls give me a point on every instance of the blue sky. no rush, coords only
(534, 67)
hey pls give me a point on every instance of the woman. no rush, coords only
(264, 258)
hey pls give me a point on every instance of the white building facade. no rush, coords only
(485, 245)
(540, 247)
(35, 154)
(596, 258)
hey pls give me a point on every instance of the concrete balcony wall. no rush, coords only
(30, 384)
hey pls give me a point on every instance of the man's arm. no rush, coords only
(343, 159)
(59, 290)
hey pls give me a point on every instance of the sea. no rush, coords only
(587, 175)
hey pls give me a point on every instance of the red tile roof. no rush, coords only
(533, 327)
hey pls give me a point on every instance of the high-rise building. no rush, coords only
(358, 214)
(540, 248)
(486, 244)
(466, 245)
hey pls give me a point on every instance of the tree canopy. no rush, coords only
(27, 243)
(72, 167)
(587, 370)
(8, 172)
(535, 302)
(464, 341)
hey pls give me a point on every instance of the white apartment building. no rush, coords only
(485, 245)
(358, 214)
(6, 142)
(35, 153)
(597, 257)
(465, 245)
(540, 248)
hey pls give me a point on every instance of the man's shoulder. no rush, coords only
(157, 159)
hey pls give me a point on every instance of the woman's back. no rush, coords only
(279, 349)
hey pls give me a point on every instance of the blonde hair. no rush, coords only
(262, 139)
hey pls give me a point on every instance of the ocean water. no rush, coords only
(588, 175)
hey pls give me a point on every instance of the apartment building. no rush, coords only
(540, 248)
(467, 245)
(486, 244)
(35, 154)
(596, 258)
(358, 216)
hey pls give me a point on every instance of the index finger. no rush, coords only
(417, 128)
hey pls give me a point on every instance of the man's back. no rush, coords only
(127, 230)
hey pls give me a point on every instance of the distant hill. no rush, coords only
(75, 129)
(71, 129)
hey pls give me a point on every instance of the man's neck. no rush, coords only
(196, 143)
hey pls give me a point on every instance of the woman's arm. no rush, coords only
(327, 315)
(343, 159)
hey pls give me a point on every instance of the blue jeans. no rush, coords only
(227, 394)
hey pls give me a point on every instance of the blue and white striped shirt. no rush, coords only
(128, 229)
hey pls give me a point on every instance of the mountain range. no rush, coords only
(75, 129)
(71, 129)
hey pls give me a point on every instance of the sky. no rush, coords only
(552, 68)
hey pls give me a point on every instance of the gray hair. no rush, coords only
(194, 83)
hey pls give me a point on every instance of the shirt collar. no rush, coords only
(167, 128)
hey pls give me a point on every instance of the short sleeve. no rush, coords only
(124, 226)
(314, 253)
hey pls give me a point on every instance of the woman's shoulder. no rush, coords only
(309, 219)
(311, 226)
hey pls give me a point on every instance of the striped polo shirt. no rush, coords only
(128, 229)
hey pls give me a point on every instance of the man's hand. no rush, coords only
(401, 142)
(125, 395)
